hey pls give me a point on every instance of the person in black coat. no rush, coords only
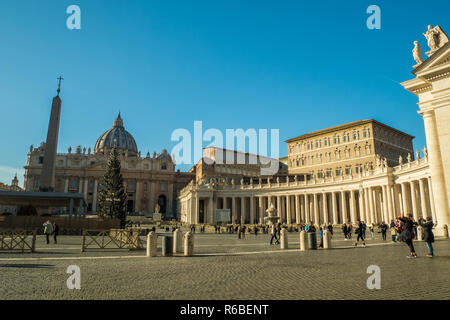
(55, 231)
(407, 234)
(428, 235)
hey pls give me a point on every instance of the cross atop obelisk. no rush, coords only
(59, 84)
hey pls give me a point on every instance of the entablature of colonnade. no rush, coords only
(405, 172)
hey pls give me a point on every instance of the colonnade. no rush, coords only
(372, 204)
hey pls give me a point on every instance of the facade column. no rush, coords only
(210, 213)
(316, 209)
(243, 210)
(385, 205)
(297, 209)
(233, 210)
(423, 200)
(436, 169)
(325, 208)
(302, 208)
(66, 185)
(85, 191)
(433, 206)
(279, 207)
(353, 206)
(362, 211)
(414, 200)
(151, 199)
(335, 211)
(94, 198)
(288, 209)
(137, 205)
(404, 199)
(366, 205)
(252, 210)
(307, 214)
(389, 203)
(344, 207)
(80, 185)
(371, 209)
(261, 209)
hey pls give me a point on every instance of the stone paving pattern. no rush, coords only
(229, 268)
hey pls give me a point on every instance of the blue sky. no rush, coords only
(292, 65)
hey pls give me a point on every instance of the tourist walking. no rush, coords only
(407, 234)
(239, 230)
(349, 230)
(428, 235)
(273, 233)
(360, 233)
(243, 231)
(372, 230)
(55, 232)
(344, 230)
(321, 238)
(48, 230)
(393, 234)
(383, 228)
(256, 231)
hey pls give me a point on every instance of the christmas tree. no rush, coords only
(112, 197)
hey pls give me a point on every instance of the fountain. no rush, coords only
(272, 218)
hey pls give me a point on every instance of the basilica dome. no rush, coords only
(116, 136)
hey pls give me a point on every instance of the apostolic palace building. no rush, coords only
(359, 170)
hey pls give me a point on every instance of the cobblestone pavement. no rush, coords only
(226, 267)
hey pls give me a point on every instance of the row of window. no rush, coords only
(339, 171)
(328, 156)
(336, 139)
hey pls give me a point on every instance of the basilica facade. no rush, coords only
(148, 180)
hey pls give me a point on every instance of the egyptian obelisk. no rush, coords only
(48, 168)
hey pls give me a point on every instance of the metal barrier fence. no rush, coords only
(111, 239)
(16, 239)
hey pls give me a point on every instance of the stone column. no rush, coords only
(233, 210)
(297, 209)
(252, 210)
(307, 215)
(261, 209)
(436, 169)
(353, 206)
(362, 213)
(138, 196)
(385, 206)
(80, 185)
(371, 209)
(344, 207)
(288, 209)
(423, 200)
(316, 209)
(414, 201)
(151, 199)
(302, 208)
(325, 208)
(389, 202)
(335, 211)
(210, 212)
(279, 207)
(66, 185)
(170, 200)
(433, 206)
(404, 199)
(367, 205)
(243, 210)
(94, 198)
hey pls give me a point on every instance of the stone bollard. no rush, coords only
(284, 238)
(419, 233)
(167, 246)
(326, 239)
(445, 231)
(152, 244)
(177, 241)
(303, 240)
(312, 241)
(189, 244)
